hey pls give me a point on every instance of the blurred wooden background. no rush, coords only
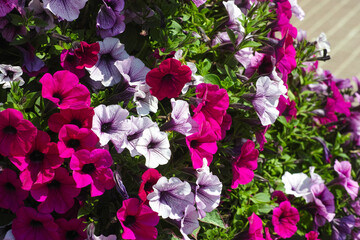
(340, 21)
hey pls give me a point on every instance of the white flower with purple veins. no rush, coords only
(235, 15)
(322, 43)
(207, 191)
(145, 102)
(297, 184)
(154, 146)
(65, 9)
(110, 123)
(181, 120)
(132, 136)
(133, 70)
(189, 222)
(171, 197)
(266, 100)
(10, 74)
(297, 10)
(111, 50)
(195, 79)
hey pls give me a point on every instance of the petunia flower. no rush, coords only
(149, 179)
(195, 79)
(324, 202)
(245, 164)
(32, 225)
(10, 74)
(82, 118)
(73, 229)
(39, 11)
(56, 195)
(255, 227)
(154, 146)
(189, 222)
(198, 3)
(32, 64)
(279, 196)
(341, 228)
(133, 70)
(93, 168)
(64, 90)
(11, 195)
(169, 79)
(72, 138)
(109, 23)
(297, 10)
(170, 197)
(344, 170)
(181, 120)
(145, 102)
(111, 50)
(68, 9)
(285, 217)
(109, 123)
(137, 220)
(7, 6)
(297, 184)
(16, 134)
(312, 235)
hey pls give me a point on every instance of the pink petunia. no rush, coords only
(74, 229)
(245, 164)
(137, 220)
(93, 168)
(255, 227)
(58, 194)
(344, 170)
(32, 225)
(72, 139)
(79, 117)
(16, 133)
(169, 79)
(11, 195)
(213, 103)
(312, 235)
(285, 217)
(64, 90)
(39, 164)
(202, 145)
(149, 179)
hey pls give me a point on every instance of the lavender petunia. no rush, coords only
(324, 202)
(7, 6)
(31, 64)
(65, 9)
(189, 222)
(109, 123)
(116, 5)
(344, 170)
(10, 74)
(40, 12)
(133, 70)
(154, 146)
(145, 102)
(342, 227)
(181, 120)
(171, 197)
(297, 10)
(132, 136)
(108, 22)
(111, 50)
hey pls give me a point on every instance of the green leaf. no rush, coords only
(17, 20)
(261, 198)
(214, 219)
(232, 36)
(252, 44)
(212, 78)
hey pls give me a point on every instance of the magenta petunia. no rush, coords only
(80, 117)
(213, 103)
(16, 133)
(285, 217)
(11, 195)
(72, 138)
(137, 220)
(312, 235)
(93, 168)
(32, 225)
(344, 170)
(39, 164)
(58, 194)
(64, 90)
(202, 145)
(168, 79)
(73, 229)
(255, 227)
(245, 164)
(149, 179)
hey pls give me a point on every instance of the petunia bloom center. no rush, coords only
(76, 122)
(148, 186)
(167, 78)
(88, 168)
(54, 184)
(10, 130)
(70, 235)
(106, 127)
(129, 220)
(73, 143)
(9, 186)
(10, 74)
(194, 144)
(36, 224)
(36, 156)
(58, 96)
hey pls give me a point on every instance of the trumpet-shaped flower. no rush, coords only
(65, 9)
(285, 217)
